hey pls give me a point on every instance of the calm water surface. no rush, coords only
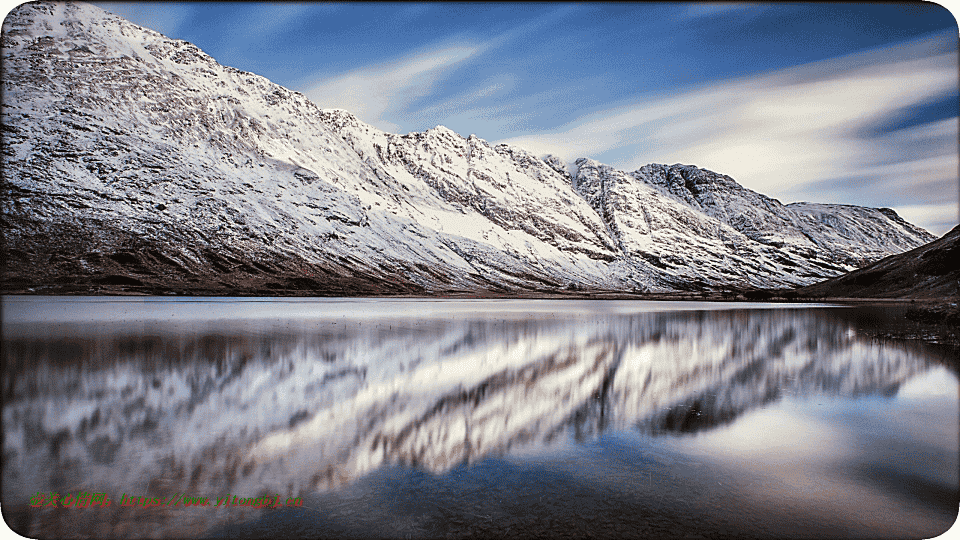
(416, 418)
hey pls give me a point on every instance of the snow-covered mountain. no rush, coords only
(931, 271)
(134, 161)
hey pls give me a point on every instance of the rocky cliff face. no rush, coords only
(135, 162)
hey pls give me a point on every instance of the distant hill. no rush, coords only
(931, 271)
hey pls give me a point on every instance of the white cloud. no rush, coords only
(936, 218)
(386, 93)
(788, 131)
(461, 104)
(371, 92)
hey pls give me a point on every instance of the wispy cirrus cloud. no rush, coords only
(374, 91)
(384, 93)
(794, 133)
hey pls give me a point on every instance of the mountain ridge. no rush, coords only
(931, 271)
(161, 171)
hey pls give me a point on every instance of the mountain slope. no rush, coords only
(136, 162)
(930, 271)
(702, 228)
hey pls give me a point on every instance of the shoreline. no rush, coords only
(740, 296)
(931, 320)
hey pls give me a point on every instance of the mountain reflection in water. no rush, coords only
(290, 397)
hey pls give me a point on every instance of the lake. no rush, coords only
(414, 418)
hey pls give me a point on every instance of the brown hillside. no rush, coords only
(931, 271)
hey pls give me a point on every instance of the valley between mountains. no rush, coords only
(135, 163)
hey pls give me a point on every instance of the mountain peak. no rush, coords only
(137, 162)
(444, 130)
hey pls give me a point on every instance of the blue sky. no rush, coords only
(827, 102)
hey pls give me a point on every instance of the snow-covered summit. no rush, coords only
(135, 160)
